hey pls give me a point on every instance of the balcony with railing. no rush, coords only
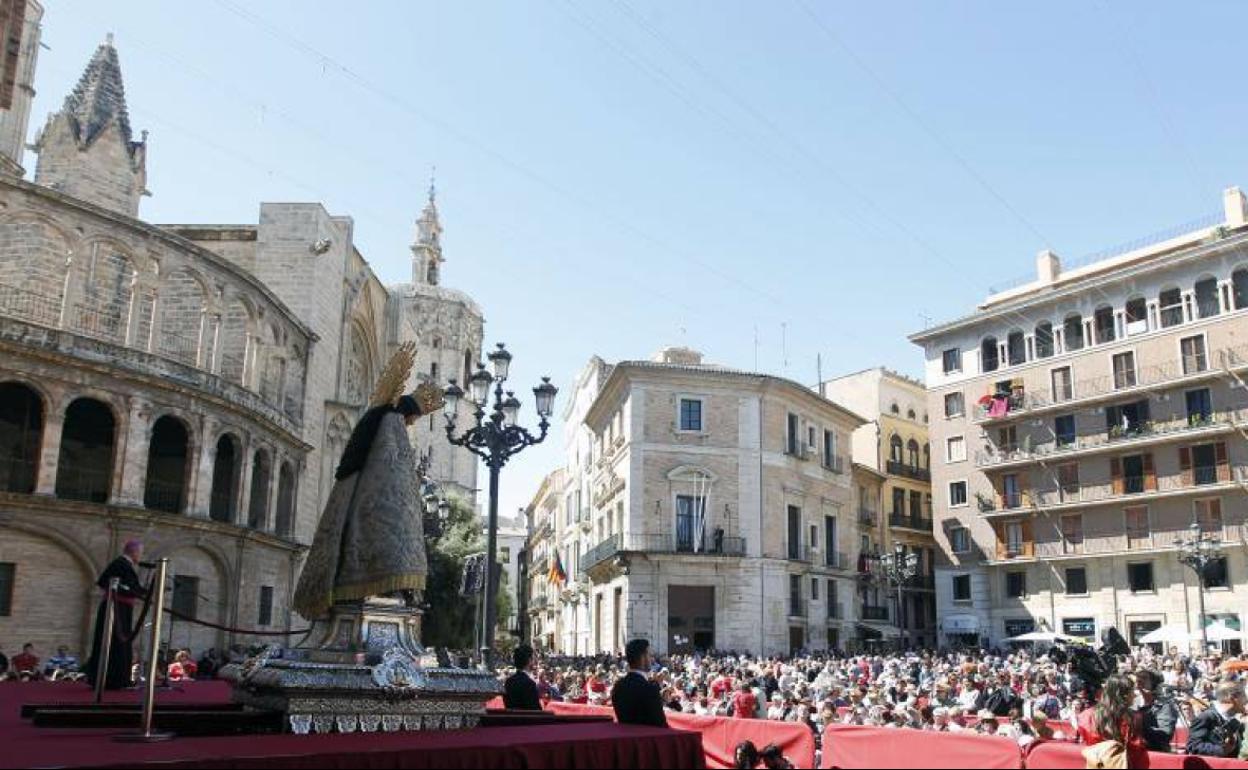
(867, 516)
(538, 603)
(837, 560)
(907, 521)
(1021, 403)
(1129, 488)
(875, 613)
(1117, 439)
(712, 546)
(835, 612)
(916, 472)
(835, 463)
(797, 607)
(797, 552)
(1130, 541)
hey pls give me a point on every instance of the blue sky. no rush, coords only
(621, 175)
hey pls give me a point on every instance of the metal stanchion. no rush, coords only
(106, 640)
(149, 692)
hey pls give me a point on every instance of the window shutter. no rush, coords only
(1150, 474)
(1224, 468)
(1029, 546)
(1185, 466)
(998, 491)
(1000, 530)
(1115, 471)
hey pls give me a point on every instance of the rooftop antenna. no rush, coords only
(756, 347)
(819, 372)
(927, 320)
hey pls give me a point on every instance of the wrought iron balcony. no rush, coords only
(797, 607)
(870, 612)
(800, 553)
(709, 546)
(909, 471)
(867, 516)
(907, 521)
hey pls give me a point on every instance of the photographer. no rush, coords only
(1216, 732)
(1159, 715)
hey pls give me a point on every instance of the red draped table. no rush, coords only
(592, 745)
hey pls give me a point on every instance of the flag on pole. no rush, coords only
(557, 575)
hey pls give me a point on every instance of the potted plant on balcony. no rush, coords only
(986, 504)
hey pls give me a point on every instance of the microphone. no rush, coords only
(148, 564)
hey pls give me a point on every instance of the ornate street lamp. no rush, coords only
(1197, 551)
(495, 438)
(900, 568)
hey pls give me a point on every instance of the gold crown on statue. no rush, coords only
(428, 397)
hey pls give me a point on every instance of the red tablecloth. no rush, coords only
(593, 745)
(853, 746)
(720, 735)
(1066, 755)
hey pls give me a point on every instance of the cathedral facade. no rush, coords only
(191, 385)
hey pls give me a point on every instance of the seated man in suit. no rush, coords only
(1216, 732)
(636, 699)
(520, 689)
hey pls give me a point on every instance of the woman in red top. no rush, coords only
(744, 704)
(1112, 719)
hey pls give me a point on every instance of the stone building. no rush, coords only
(190, 385)
(1086, 419)
(894, 443)
(714, 507)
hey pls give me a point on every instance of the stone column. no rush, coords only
(201, 360)
(275, 487)
(50, 451)
(134, 454)
(215, 366)
(132, 315)
(244, 482)
(201, 490)
(67, 286)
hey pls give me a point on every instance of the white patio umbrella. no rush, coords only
(1042, 636)
(1220, 632)
(1171, 634)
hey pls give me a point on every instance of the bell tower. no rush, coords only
(427, 249)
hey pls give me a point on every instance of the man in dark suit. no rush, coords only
(520, 689)
(635, 698)
(1216, 732)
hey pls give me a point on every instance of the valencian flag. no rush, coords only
(557, 574)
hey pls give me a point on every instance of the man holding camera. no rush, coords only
(1217, 732)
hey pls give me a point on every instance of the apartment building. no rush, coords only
(1084, 421)
(895, 444)
(713, 508)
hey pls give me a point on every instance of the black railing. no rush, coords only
(797, 607)
(910, 522)
(712, 545)
(867, 516)
(1133, 485)
(909, 471)
(870, 612)
(1205, 474)
(160, 495)
(18, 474)
(82, 483)
(800, 553)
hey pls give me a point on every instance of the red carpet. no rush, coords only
(595, 745)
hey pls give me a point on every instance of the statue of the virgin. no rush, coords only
(370, 540)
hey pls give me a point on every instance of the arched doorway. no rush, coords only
(85, 468)
(45, 618)
(223, 503)
(21, 435)
(286, 501)
(167, 453)
(258, 508)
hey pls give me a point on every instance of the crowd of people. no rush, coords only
(177, 665)
(1145, 700)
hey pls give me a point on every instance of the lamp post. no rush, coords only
(1197, 551)
(899, 568)
(495, 438)
(437, 508)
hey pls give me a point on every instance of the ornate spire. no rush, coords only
(99, 98)
(427, 250)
